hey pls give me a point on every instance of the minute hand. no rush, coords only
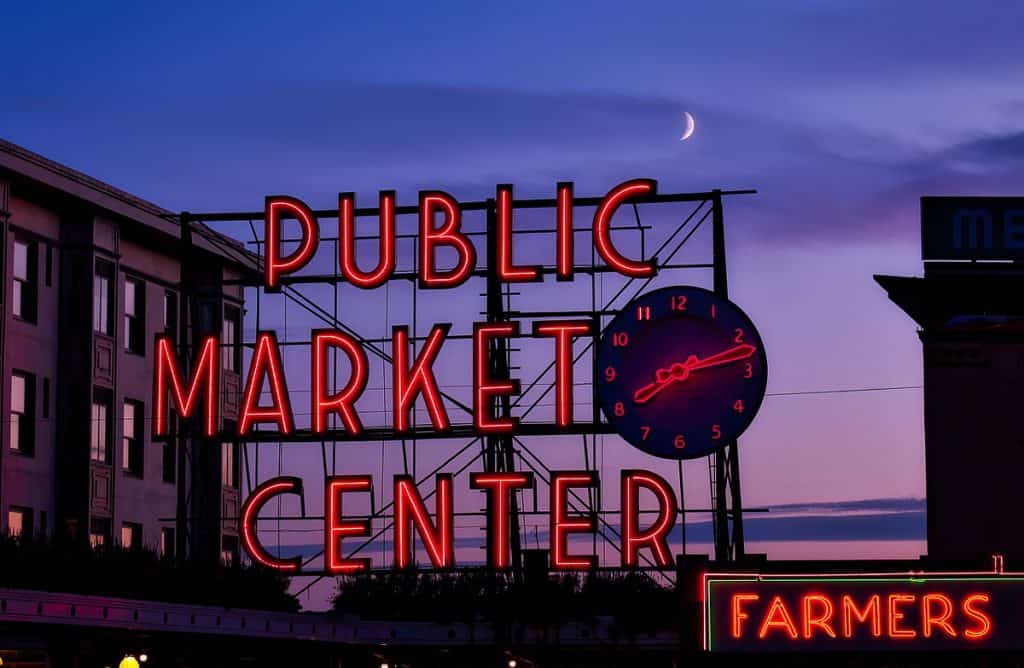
(681, 370)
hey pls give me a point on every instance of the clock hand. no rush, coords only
(681, 370)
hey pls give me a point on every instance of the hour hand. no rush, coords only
(681, 370)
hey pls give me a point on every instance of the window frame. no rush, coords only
(25, 289)
(133, 445)
(135, 319)
(23, 422)
(102, 398)
(103, 298)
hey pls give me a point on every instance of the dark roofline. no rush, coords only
(53, 175)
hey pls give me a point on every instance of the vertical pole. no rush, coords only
(185, 350)
(499, 449)
(728, 545)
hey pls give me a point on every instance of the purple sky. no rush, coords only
(841, 112)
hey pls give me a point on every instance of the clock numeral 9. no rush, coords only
(716, 432)
(679, 303)
(609, 373)
(680, 442)
(620, 339)
(619, 409)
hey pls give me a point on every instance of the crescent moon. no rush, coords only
(691, 125)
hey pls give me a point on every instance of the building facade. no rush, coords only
(91, 276)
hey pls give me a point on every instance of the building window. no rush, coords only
(229, 550)
(131, 536)
(102, 285)
(171, 315)
(229, 465)
(19, 522)
(101, 426)
(23, 404)
(23, 298)
(99, 532)
(135, 316)
(167, 542)
(132, 450)
(231, 338)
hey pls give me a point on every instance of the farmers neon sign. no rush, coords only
(864, 611)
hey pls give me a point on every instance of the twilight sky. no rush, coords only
(840, 112)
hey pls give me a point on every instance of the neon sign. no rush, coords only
(689, 322)
(863, 611)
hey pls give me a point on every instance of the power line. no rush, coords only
(848, 390)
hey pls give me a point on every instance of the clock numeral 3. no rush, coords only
(748, 370)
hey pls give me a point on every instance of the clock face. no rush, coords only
(681, 372)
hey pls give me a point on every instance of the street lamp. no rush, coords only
(128, 661)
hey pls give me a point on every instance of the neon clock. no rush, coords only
(681, 372)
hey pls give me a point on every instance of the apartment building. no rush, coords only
(91, 276)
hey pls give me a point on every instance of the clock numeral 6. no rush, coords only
(620, 339)
(619, 409)
(716, 432)
(680, 442)
(679, 303)
(738, 406)
(645, 431)
(609, 373)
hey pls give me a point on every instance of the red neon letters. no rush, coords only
(563, 524)
(438, 538)
(419, 379)
(276, 265)
(205, 379)
(563, 332)
(266, 363)
(499, 486)
(343, 401)
(446, 233)
(347, 241)
(250, 513)
(336, 529)
(896, 615)
(655, 537)
(485, 386)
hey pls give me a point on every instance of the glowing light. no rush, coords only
(419, 379)
(276, 265)
(602, 227)
(347, 246)
(266, 362)
(448, 234)
(204, 379)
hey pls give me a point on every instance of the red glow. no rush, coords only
(563, 524)
(655, 537)
(448, 234)
(336, 530)
(563, 231)
(277, 266)
(563, 332)
(873, 610)
(343, 401)
(737, 612)
(486, 387)
(896, 603)
(409, 382)
(439, 539)
(940, 618)
(347, 241)
(778, 617)
(983, 623)
(499, 487)
(250, 513)
(205, 373)
(507, 271)
(820, 619)
(266, 362)
(602, 227)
